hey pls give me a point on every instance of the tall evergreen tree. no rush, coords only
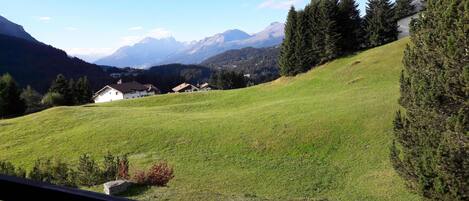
(403, 9)
(328, 10)
(350, 26)
(62, 86)
(380, 23)
(317, 36)
(71, 95)
(83, 91)
(10, 102)
(431, 149)
(288, 61)
(303, 43)
(59, 85)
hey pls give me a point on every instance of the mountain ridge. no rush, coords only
(198, 51)
(10, 28)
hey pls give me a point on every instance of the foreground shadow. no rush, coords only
(135, 191)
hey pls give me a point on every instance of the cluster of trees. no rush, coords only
(228, 80)
(431, 147)
(327, 29)
(68, 92)
(16, 102)
(86, 173)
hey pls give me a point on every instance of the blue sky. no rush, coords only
(101, 26)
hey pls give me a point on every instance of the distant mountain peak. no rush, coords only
(167, 50)
(11, 29)
(234, 34)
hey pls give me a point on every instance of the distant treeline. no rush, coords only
(15, 102)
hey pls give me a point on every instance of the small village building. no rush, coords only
(184, 88)
(206, 87)
(121, 91)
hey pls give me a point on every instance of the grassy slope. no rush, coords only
(324, 134)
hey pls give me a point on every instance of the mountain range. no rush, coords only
(150, 51)
(34, 63)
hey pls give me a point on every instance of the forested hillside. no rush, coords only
(37, 64)
(260, 63)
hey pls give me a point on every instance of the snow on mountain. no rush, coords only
(143, 54)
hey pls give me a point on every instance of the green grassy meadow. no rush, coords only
(323, 135)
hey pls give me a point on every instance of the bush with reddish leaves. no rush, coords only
(158, 175)
(140, 177)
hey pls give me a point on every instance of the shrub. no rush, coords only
(111, 167)
(8, 168)
(20, 172)
(53, 99)
(41, 171)
(158, 175)
(63, 175)
(140, 177)
(56, 172)
(88, 171)
(123, 169)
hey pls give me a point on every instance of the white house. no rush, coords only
(121, 91)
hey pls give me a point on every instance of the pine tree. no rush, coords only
(328, 10)
(303, 43)
(350, 26)
(83, 91)
(431, 148)
(403, 9)
(288, 61)
(68, 89)
(380, 23)
(71, 94)
(11, 103)
(317, 36)
(61, 86)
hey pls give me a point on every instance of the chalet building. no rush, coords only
(206, 87)
(185, 87)
(121, 91)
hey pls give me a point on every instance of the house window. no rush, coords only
(117, 93)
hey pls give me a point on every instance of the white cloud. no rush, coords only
(44, 18)
(130, 40)
(90, 54)
(135, 28)
(279, 4)
(157, 33)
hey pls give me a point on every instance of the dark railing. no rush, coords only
(13, 188)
